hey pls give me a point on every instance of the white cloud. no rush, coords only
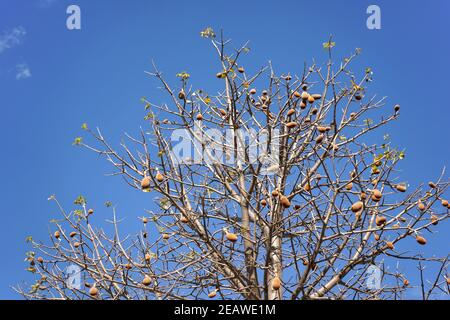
(11, 38)
(22, 71)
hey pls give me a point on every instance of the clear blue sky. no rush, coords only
(52, 80)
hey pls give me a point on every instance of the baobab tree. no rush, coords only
(263, 190)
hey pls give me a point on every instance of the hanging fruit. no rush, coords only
(380, 220)
(421, 206)
(285, 202)
(147, 280)
(93, 292)
(159, 177)
(181, 95)
(357, 206)
(145, 183)
(421, 240)
(291, 125)
(276, 283)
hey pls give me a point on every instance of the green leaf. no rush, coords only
(108, 204)
(329, 44)
(183, 75)
(84, 126)
(29, 239)
(77, 141)
(208, 33)
(80, 200)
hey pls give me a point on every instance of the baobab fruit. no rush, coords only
(76, 244)
(302, 105)
(304, 87)
(316, 96)
(252, 91)
(231, 237)
(444, 203)
(222, 112)
(434, 220)
(448, 280)
(363, 196)
(276, 283)
(90, 211)
(377, 193)
(311, 99)
(349, 186)
(431, 184)
(285, 202)
(93, 292)
(275, 193)
(421, 240)
(159, 177)
(421, 206)
(212, 294)
(304, 95)
(57, 234)
(297, 207)
(357, 206)
(406, 282)
(352, 115)
(375, 196)
(358, 97)
(144, 234)
(241, 70)
(319, 138)
(184, 219)
(147, 257)
(264, 92)
(40, 260)
(72, 234)
(291, 125)
(396, 107)
(199, 117)
(290, 112)
(145, 183)
(128, 266)
(380, 220)
(263, 202)
(165, 236)
(390, 245)
(288, 78)
(147, 280)
(400, 187)
(87, 284)
(314, 111)
(307, 120)
(307, 187)
(297, 94)
(181, 95)
(376, 236)
(322, 129)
